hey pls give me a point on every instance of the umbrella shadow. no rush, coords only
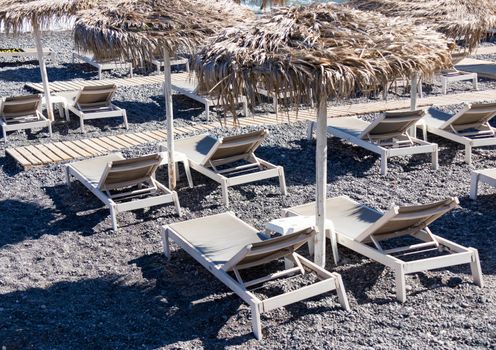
(24, 74)
(107, 312)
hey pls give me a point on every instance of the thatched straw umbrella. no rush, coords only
(467, 20)
(39, 14)
(136, 29)
(315, 53)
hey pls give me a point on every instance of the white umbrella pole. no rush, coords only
(169, 116)
(413, 91)
(44, 75)
(413, 100)
(321, 169)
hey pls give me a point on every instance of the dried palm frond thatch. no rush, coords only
(467, 20)
(322, 48)
(136, 29)
(15, 14)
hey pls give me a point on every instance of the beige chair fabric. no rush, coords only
(219, 159)
(123, 184)
(386, 135)
(469, 127)
(364, 230)
(225, 245)
(22, 113)
(93, 102)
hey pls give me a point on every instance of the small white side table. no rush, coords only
(178, 158)
(291, 224)
(59, 102)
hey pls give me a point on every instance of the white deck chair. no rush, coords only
(226, 245)
(22, 113)
(100, 64)
(123, 184)
(188, 86)
(470, 126)
(386, 135)
(231, 160)
(487, 176)
(363, 230)
(93, 102)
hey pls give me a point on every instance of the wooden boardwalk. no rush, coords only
(48, 153)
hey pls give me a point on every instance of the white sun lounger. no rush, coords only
(470, 126)
(159, 63)
(102, 65)
(226, 245)
(487, 176)
(93, 102)
(230, 161)
(362, 229)
(188, 86)
(123, 184)
(386, 136)
(22, 113)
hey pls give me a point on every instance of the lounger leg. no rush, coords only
(67, 176)
(245, 107)
(81, 124)
(435, 158)
(384, 164)
(175, 198)
(468, 154)
(256, 324)
(113, 215)
(400, 284)
(282, 181)
(99, 73)
(475, 268)
(66, 109)
(165, 242)
(424, 132)
(310, 126)
(334, 245)
(207, 111)
(474, 185)
(476, 83)
(4, 132)
(50, 129)
(342, 297)
(124, 116)
(444, 88)
(187, 66)
(187, 170)
(225, 198)
(131, 71)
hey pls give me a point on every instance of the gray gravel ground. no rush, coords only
(68, 282)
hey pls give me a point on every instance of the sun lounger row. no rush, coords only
(225, 246)
(128, 184)
(388, 135)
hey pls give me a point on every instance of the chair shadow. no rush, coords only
(112, 312)
(24, 74)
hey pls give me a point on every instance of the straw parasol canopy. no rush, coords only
(321, 48)
(469, 20)
(39, 14)
(313, 53)
(136, 30)
(15, 13)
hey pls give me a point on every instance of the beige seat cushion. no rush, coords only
(349, 217)
(218, 237)
(195, 148)
(92, 169)
(349, 125)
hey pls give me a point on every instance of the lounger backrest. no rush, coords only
(95, 96)
(391, 124)
(407, 220)
(269, 250)
(471, 116)
(20, 106)
(129, 172)
(236, 147)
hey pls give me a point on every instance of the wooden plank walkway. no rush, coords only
(48, 153)
(484, 69)
(71, 85)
